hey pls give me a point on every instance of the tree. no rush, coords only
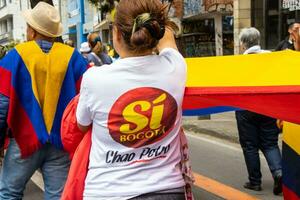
(2, 51)
(104, 5)
(34, 2)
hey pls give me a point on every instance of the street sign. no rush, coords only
(291, 4)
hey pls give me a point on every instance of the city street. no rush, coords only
(137, 65)
(215, 159)
(223, 161)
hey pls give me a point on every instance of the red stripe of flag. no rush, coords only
(289, 194)
(22, 127)
(5, 77)
(265, 100)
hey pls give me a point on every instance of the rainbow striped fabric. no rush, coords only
(39, 86)
(264, 83)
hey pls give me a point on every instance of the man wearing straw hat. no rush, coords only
(38, 79)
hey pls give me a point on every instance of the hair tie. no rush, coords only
(140, 20)
(144, 20)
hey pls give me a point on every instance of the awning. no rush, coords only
(103, 25)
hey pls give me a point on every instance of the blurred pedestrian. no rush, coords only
(91, 58)
(38, 79)
(110, 50)
(256, 131)
(97, 48)
(135, 105)
(288, 42)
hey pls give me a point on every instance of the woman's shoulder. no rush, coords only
(171, 53)
(173, 57)
(102, 71)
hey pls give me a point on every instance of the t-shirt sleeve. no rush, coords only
(83, 112)
(173, 56)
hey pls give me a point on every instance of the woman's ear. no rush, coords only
(117, 33)
(242, 48)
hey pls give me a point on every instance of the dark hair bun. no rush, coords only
(142, 23)
(147, 35)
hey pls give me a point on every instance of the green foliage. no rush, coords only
(9, 46)
(95, 2)
(2, 51)
(12, 44)
(104, 6)
(34, 2)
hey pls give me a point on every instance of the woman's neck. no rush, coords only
(127, 54)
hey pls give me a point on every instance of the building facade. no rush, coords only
(210, 27)
(12, 24)
(270, 17)
(207, 28)
(105, 19)
(78, 19)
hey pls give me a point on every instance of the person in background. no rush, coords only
(110, 50)
(38, 79)
(288, 42)
(97, 48)
(85, 51)
(256, 131)
(134, 108)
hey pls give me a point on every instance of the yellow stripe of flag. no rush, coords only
(267, 69)
(47, 72)
(291, 136)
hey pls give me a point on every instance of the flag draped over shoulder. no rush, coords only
(39, 86)
(264, 83)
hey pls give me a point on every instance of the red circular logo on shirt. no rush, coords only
(142, 116)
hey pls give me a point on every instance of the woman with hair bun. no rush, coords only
(133, 108)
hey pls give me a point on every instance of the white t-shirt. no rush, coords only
(134, 106)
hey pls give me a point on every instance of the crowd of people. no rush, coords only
(95, 52)
(130, 107)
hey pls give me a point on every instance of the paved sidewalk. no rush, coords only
(220, 125)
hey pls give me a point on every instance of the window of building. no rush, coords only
(228, 41)
(73, 5)
(3, 27)
(198, 39)
(9, 25)
(2, 3)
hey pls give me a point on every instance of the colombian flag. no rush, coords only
(264, 83)
(39, 86)
(291, 161)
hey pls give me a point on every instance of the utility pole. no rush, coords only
(82, 20)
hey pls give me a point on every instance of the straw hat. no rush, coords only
(45, 19)
(85, 47)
